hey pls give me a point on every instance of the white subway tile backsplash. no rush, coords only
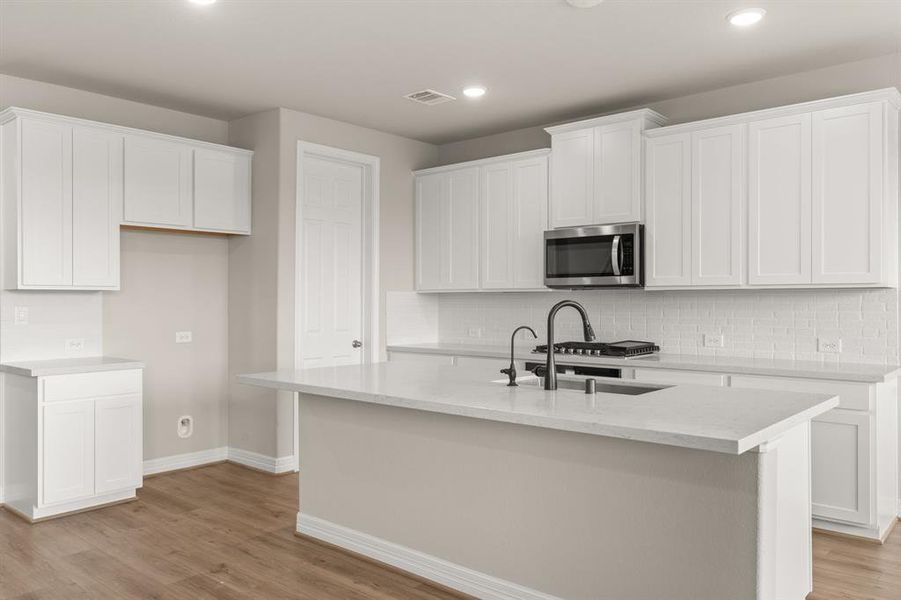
(765, 324)
(53, 317)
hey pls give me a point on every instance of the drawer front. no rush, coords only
(852, 396)
(58, 388)
(679, 377)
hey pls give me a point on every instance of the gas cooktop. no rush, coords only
(623, 349)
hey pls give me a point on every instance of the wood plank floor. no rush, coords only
(226, 532)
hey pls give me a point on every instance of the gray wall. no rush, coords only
(869, 74)
(170, 282)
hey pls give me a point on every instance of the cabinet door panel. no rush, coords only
(840, 456)
(429, 202)
(530, 194)
(716, 205)
(572, 178)
(221, 191)
(68, 451)
(497, 215)
(668, 205)
(96, 207)
(779, 178)
(45, 218)
(157, 182)
(118, 443)
(848, 158)
(617, 162)
(461, 230)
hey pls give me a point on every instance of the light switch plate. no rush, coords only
(20, 316)
(829, 345)
(183, 337)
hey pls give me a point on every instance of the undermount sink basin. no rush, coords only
(601, 387)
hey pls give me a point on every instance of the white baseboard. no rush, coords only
(261, 462)
(184, 461)
(430, 567)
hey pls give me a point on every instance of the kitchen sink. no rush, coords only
(601, 387)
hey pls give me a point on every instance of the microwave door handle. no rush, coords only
(615, 258)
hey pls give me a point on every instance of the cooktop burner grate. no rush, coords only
(624, 348)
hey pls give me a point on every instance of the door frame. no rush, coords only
(370, 287)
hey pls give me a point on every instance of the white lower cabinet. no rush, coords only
(71, 442)
(840, 453)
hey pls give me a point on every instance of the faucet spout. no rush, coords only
(550, 376)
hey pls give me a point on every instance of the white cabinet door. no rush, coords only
(118, 443)
(68, 451)
(96, 207)
(157, 182)
(668, 208)
(460, 231)
(779, 217)
(498, 212)
(841, 479)
(572, 178)
(716, 205)
(530, 196)
(45, 217)
(430, 192)
(617, 173)
(848, 160)
(221, 191)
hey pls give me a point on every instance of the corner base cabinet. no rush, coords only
(71, 442)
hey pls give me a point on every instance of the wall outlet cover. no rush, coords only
(185, 427)
(829, 345)
(184, 337)
(20, 315)
(75, 345)
(474, 332)
(713, 340)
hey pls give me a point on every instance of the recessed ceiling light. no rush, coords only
(202, 2)
(474, 91)
(746, 17)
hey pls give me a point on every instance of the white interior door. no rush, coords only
(330, 263)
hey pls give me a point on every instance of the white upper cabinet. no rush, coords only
(447, 230)
(668, 204)
(717, 191)
(513, 219)
(596, 169)
(821, 185)
(480, 225)
(779, 218)
(848, 164)
(157, 182)
(221, 191)
(62, 201)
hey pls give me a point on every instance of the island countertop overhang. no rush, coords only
(726, 420)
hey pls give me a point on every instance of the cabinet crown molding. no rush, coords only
(652, 116)
(484, 161)
(14, 112)
(890, 95)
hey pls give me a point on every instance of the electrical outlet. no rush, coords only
(74, 345)
(183, 337)
(713, 340)
(185, 426)
(475, 332)
(20, 315)
(829, 345)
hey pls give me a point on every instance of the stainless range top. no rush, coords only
(624, 348)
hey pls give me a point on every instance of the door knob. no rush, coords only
(356, 344)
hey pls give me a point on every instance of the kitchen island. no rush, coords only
(678, 492)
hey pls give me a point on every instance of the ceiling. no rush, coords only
(354, 60)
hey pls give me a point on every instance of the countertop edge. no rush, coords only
(34, 369)
(892, 371)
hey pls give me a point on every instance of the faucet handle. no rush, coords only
(540, 371)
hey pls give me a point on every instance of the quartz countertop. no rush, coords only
(728, 420)
(735, 365)
(68, 366)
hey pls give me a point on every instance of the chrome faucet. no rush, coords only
(511, 370)
(550, 365)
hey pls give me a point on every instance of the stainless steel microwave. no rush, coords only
(594, 256)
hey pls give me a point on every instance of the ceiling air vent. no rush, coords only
(429, 97)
